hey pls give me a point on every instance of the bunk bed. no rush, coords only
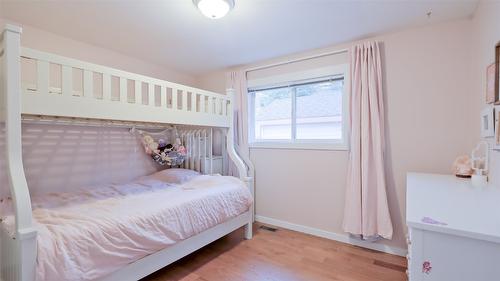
(197, 111)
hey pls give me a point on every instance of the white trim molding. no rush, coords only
(344, 238)
(312, 145)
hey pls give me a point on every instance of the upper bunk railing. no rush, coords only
(58, 86)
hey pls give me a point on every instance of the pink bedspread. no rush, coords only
(88, 234)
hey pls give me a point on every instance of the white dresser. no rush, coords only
(453, 229)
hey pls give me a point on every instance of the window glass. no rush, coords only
(302, 114)
(319, 110)
(273, 114)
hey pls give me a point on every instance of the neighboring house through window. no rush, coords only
(300, 113)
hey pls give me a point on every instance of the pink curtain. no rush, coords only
(366, 209)
(237, 80)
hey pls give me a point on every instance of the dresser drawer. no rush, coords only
(435, 256)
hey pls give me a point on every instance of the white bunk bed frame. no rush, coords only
(207, 109)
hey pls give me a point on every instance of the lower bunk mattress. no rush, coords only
(88, 234)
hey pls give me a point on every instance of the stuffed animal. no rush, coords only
(147, 139)
(158, 159)
(164, 156)
(164, 153)
(162, 144)
(169, 147)
(182, 150)
(150, 146)
(164, 147)
(177, 143)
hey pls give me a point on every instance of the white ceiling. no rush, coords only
(173, 33)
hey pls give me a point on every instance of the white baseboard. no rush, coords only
(333, 236)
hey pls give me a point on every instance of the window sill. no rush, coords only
(300, 146)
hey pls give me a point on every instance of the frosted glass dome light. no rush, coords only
(214, 9)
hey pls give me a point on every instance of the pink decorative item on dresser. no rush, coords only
(462, 167)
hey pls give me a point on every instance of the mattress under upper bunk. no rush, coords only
(90, 233)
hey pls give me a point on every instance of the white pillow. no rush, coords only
(175, 175)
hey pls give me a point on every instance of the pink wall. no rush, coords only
(433, 96)
(429, 121)
(486, 34)
(52, 43)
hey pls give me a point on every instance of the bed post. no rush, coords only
(21, 263)
(244, 166)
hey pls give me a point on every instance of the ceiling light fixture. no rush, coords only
(214, 9)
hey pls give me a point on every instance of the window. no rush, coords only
(308, 114)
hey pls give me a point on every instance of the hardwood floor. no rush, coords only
(282, 256)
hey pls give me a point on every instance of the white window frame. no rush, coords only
(341, 70)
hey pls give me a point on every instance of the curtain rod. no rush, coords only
(296, 60)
